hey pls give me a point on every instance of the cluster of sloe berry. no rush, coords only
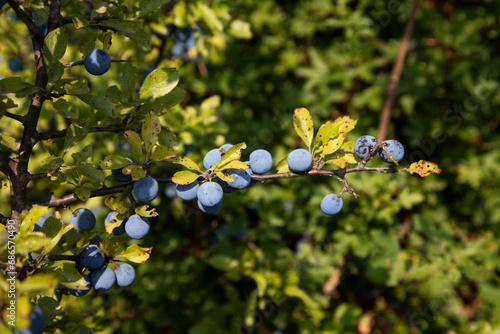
(391, 148)
(184, 38)
(208, 195)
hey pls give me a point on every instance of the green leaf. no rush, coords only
(98, 102)
(240, 29)
(52, 163)
(18, 86)
(72, 86)
(210, 18)
(423, 168)
(332, 130)
(135, 171)
(31, 242)
(83, 193)
(148, 6)
(184, 177)
(84, 154)
(115, 203)
(136, 143)
(55, 44)
(159, 83)
(186, 162)
(303, 123)
(167, 138)
(66, 272)
(91, 171)
(8, 143)
(162, 153)
(114, 162)
(114, 94)
(164, 103)
(53, 228)
(75, 133)
(150, 130)
(36, 283)
(136, 253)
(80, 22)
(127, 78)
(124, 26)
(233, 153)
(66, 109)
(144, 212)
(223, 262)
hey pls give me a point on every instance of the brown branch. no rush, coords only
(56, 257)
(317, 172)
(81, 62)
(62, 133)
(385, 116)
(39, 176)
(14, 116)
(65, 200)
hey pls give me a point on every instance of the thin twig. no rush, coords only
(62, 133)
(81, 62)
(385, 116)
(14, 116)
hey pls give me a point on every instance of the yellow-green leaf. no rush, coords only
(37, 283)
(54, 228)
(117, 220)
(136, 253)
(423, 168)
(332, 145)
(186, 162)
(83, 193)
(303, 123)
(114, 162)
(28, 223)
(235, 164)
(282, 166)
(144, 212)
(31, 242)
(223, 262)
(116, 204)
(184, 177)
(224, 177)
(234, 153)
(343, 161)
(162, 153)
(136, 143)
(150, 131)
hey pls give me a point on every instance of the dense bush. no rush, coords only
(408, 255)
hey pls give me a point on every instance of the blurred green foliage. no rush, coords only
(410, 255)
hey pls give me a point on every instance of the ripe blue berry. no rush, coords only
(211, 158)
(118, 174)
(363, 144)
(103, 279)
(187, 192)
(299, 160)
(125, 275)
(91, 257)
(393, 148)
(242, 178)
(79, 292)
(261, 161)
(209, 209)
(15, 65)
(37, 322)
(137, 227)
(97, 62)
(83, 219)
(146, 189)
(210, 194)
(110, 219)
(331, 204)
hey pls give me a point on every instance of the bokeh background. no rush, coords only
(410, 255)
